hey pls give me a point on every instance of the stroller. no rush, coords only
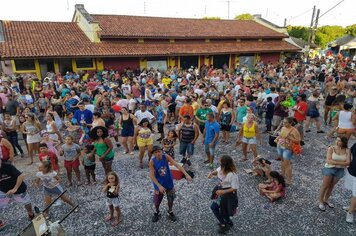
(41, 227)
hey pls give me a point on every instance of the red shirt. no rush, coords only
(49, 156)
(186, 110)
(301, 106)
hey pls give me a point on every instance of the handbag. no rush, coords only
(271, 141)
(296, 148)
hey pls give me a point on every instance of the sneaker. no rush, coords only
(156, 217)
(172, 217)
(183, 161)
(118, 145)
(320, 132)
(349, 217)
(206, 161)
(230, 224)
(322, 206)
(211, 165)
(189, 163)
(307, 131)
(302, 143)
(346, 208)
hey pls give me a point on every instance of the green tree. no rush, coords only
(328, 33)
(300, 32)
(244, 16)
(351, 30)
(211, 18)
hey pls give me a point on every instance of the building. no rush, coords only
(345, 45)
(94, 42)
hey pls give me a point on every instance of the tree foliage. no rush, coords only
(211, 18)
(323, 34)
(244, 16)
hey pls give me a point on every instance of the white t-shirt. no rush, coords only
(48, 180)
(180, 100)
(273, 96)
(141, 115)
(126, 89)
(90, 107)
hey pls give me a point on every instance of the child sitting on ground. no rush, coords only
(89, 163)
(276, 189)
(262, 167)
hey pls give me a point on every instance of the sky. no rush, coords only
(296, 12)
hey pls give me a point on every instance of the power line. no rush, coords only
(301, 14)
(331, 8)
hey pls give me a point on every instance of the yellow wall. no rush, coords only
(36, 71)
(237, 60)
(56, 66)
(90, 29)
(206, 62)
(143, 63)
(99, 64)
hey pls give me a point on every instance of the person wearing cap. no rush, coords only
(162, 179)
(211, 137)
(300, 114)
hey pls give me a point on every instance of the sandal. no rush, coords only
(108, 218)
(330, 204)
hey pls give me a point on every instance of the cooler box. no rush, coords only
(176, 174)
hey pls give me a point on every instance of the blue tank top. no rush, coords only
(162, 173)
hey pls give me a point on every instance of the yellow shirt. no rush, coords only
(249, 132)
(195, 106)
(166, 81)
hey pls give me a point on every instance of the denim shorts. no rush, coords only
(186, 148)
(286, 154)
(210, 150)
(56, 191)
(333, 171)
(249, 140)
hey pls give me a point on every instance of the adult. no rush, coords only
(162, 179)
(226, 120)
(9, 127)
(201, 115)
(97, 120)
(186, 109)
(188, 133)
(6, 149)
(286, 138)
(210, 138)
(300, 114)
(350, 184)
(329, 100)
(83, 115)
(144, 139)
(226, 194)
(241, 111)
(127, 122)
(144, 114)
(12, 107)
(313, 114)
(345, 123)
(52, 128)
(32, 129)
(249, 133)
(337, 159)
(280, 111)
(13, 188)
(103, 147)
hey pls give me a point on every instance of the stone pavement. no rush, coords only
(296, 214)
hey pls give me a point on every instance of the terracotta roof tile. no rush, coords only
(142, 26)
(65, 39)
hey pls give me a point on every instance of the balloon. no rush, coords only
(116, 108)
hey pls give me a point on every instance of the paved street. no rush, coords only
(297, 214)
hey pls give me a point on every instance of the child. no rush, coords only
(269, 114)
(112, 188)
(47, 155)
(274, 190)
(51, 143)
(71, 152)
(160, 119)
(89, 163)
(262, 167)
(50, 182)
(169, 142)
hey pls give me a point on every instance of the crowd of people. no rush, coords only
(88, 118)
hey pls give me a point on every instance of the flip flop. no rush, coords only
(330, 204)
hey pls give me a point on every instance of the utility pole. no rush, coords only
(311, 25)
(228, 9)
(315, 25)
(144, 7)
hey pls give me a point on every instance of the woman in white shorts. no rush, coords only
(32, 128)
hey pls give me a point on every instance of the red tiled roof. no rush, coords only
(65, 39)
(41, 39)
(159, 27)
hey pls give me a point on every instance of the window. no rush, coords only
(85, 63)
(25, 64)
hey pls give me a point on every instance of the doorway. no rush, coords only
(220, 60)
(65, 65)
(46, 65)
(187, 61)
